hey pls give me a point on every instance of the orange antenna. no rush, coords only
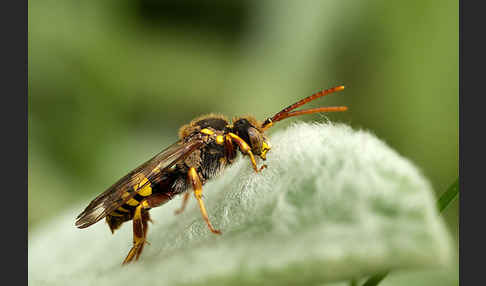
(287, 112)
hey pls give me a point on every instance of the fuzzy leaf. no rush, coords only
(334, 204)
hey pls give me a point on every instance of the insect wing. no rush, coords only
(125, 188)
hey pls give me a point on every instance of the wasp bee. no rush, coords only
(206, 146)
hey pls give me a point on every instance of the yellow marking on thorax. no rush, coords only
(220, 139)
(146, 190)
(207, 131)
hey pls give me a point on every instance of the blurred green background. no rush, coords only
(110, 82)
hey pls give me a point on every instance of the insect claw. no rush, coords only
(215, 231)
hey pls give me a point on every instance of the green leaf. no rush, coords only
(444, 201)
(446, 198)
(334, 204)
(375, 279)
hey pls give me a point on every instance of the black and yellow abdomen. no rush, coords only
(125, 212)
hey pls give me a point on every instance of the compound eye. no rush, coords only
(256, 140)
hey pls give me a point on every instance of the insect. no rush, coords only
(205, 147)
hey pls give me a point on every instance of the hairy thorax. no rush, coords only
(210, 160)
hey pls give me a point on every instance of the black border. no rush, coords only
(15, 136)
(13, 22)
(471, 204)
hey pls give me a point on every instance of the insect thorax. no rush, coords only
(212, 158)
(215, 121)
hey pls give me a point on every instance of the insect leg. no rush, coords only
(184, 203)
(197, 186)
(138, 235)
(140, 224)
(145, 220)
(245, 149)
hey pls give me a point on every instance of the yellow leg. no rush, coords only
(140, 219)
(138, 235)
(197, 186)
(184, 203)
(245, 148)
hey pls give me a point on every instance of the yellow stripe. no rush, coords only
(207, 131)
(132, 202)
(122, 209)
(146, 190)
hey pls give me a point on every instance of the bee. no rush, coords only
(206, 146)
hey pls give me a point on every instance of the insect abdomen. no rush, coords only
(143, 189)
(125, 212)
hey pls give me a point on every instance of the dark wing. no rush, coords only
(123, 190)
